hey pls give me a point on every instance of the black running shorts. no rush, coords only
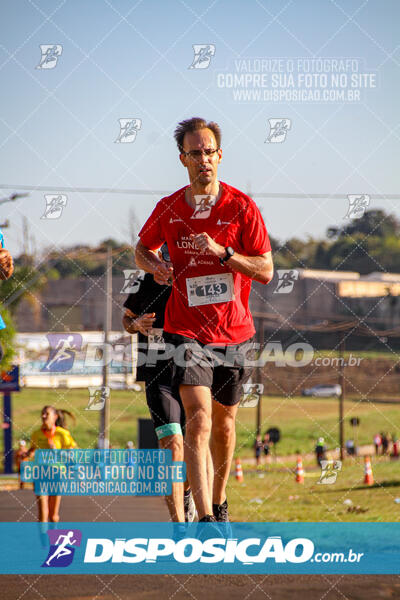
(166, 410)
(197, 364)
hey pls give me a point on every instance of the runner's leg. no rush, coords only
(43, 508)
(175, 500)
(222, 444)
(197, 404)
(54, 508)
(166, 413)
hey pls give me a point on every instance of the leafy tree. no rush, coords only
(23, 284)
(373, 222)
(7, 336)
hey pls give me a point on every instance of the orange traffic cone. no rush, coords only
(299, 470)
(238, 471)
(368, 477)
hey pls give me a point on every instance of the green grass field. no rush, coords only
(269, 494)
(301, 420)
(273, 495)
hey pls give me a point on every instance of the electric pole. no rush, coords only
(341, 398)
(104, 434)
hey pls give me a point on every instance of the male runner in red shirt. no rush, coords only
(218, 243)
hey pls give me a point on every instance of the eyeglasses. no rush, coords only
(196, 154)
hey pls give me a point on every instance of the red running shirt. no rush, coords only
(209, 302)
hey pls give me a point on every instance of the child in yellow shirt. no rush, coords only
(52, 435)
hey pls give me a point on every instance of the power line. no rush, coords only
(136, 192)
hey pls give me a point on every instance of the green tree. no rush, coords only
(373, 222)
(7, 336)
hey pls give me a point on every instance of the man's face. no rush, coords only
(202, 169)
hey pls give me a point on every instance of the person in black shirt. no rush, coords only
(144, 315)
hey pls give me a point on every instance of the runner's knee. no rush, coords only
(198, 426)
(175, 444)
(222, 431)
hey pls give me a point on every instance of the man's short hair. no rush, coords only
(193, 124)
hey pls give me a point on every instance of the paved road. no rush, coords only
(20, 505)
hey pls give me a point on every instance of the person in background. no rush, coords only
(20, 456)
(267, 444)
(52, 435)
(385, 443)
(350, 447)
(6, 270)
(144, 315)
(320, 450)
(377, 443)
(258, 446)
(6, 261)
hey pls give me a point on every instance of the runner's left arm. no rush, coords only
(253, 241)
(260, 267)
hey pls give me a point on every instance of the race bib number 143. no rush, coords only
(210, 289)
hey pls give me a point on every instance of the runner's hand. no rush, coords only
(163, 274)
(144, 323)
(207, 245)
(6, 264)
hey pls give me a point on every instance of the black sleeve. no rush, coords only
(134, 302)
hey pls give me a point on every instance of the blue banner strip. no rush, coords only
(148, 548)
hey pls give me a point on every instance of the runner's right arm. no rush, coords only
(132, 323)
(148, 260)
(134, 306)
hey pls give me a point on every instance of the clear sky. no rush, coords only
(127, 59)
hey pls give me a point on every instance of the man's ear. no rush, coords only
(219, 155)
(182, 158)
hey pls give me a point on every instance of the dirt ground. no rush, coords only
(198, 587)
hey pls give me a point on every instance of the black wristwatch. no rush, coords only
(228, 253)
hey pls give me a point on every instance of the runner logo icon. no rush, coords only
(62, 350)
(62, 547)
(278, 129)
(357, 205)
(50, 55)
(128, 130)
(202, 56)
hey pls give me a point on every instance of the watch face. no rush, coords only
(230, 251)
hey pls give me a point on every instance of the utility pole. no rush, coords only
(341, 398)
(104, 433)
(259, 372)
(25, 235)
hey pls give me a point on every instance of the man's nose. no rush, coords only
(204, 159)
